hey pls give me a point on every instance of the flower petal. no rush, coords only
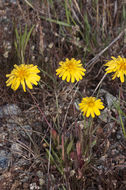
(21, 74)
(70, 70)
(91, 106)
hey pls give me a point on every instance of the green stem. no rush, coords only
(120, 117)
(123, 128)
(90, 136)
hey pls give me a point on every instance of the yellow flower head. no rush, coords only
(91, 106)
(70, 70)
(118, 66)
(24, 75)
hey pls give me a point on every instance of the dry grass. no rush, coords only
(92, 31)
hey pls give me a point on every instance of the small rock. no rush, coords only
(39, 174)
(41, 182)
(9, 109)
(24, 179)
(110, 99)
(27, 131)
(51, 45)
(16, 149)
(22, 162)
(104, 115)
(4, 159)
(118, 136)
(3, 162)
(33, 186)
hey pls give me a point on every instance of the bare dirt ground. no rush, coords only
(95, 32)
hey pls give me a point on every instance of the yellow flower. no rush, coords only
(24, 75)
(91, 106)
(70, 70)
(118, 66)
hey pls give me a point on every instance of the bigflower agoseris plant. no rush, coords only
(117, 66)
(24, 75)
(71, 70)
(91, 106)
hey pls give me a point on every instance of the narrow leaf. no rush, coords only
(28, 36)
(69, 147)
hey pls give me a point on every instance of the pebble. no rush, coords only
(25, 177)
(110, 99)
(34, 186)
(104, 115)
(22, 162)
(27, 131)
(41, 182)
(39, 174)
(4, 159)
(3, 162)
(16, 149)
(118, 136)
(9, 110)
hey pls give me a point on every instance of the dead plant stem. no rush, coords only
(36, 103)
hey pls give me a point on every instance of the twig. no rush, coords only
(99, 54)
(49, 153)
(99, 83)
(69, 105)
(36, 103)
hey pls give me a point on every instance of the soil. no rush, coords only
(26, 136)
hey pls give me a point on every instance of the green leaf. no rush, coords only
(23, 41)
(93, 143)
(69, 147)
(56, 21)
(27, 37)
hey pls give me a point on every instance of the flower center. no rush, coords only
(70, 67)
(123, 66)
(91, 103)
(22, 74)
